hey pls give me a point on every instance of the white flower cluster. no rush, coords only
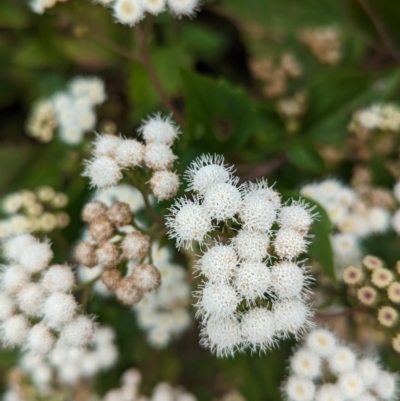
(67, 365)
(351, 217)
(377, 117)
(113, 154)
(72, 111)
(396, 215)
(36, 210)
(129, 390)
(130, 12)
(38, 310)
(325, 369)
(239, 278)
(163, 313)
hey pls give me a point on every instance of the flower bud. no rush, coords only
(135, 245)
(93, 210)
(119, 214)
(111, 278)
(127, 293)
(101, 229)
(86, 254)
(146, 277)
(107, 254)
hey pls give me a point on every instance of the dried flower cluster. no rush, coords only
(71, 111)
(163, 313)
(275, 77)
(324, 44)
(37, 210)
(38, 310)
(239, 275)
(326, 369)
(114, 240)
(378, 289)
(113, 154)
(351, 217)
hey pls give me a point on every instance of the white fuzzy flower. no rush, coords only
(59, 309)
(297, 216)
(300, 389)
(346, 248)
(378, 219)
(351, 385)
(329, 392)
(183, 7)
(289, 243)
(222, 336)
(40, 339)
(14, 278)
(7, 306)
(257, 212)
(71, 134)
(261, 190)
(219, 263)
(158, 156)
(58, 278)
(31, 299)
(106, 145)
(103, 172)
(218, 300)
(385, 385)
(322, 342)
(129, 153)
(222, 201)
(164, 184)
(287, 280)
(14, 330)
(253, 280)
(258, 328)
(78, 332)
(188, 222)
(158, 129)
(306, 363)
(342, 360)
(251, 245)
(206, 171)
(292, 316)
(36, 256)
(128, 12)
(368, 369)
(91, 88)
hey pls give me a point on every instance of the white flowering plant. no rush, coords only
(199, 200)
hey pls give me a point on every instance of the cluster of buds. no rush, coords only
(378, 289)
(324, 44)
(275, 77)
(352, 218)
(241, 279)
(71, 111)
(117, 247)
(112, 155)
(67, 366)
(325, 369)
(33, 211)
(38, 310)
(163, 313)
(129, 390)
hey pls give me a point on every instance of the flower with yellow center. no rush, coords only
(372, 262)
(394, 292)
(381, 277)
(367, 295)
(352, 275)
(387, 316)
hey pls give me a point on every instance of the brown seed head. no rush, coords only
(86, 254)
(101, 229)
(111, 278)
(127, 293)
(135, 245)
(93, 210)
(119, 213)
(146, 277)
(107, 254)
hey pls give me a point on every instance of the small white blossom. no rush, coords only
(157, 129)
(103, 172)
(128, 12)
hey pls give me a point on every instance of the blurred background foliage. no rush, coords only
(204, 65)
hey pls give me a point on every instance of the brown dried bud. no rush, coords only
(135, 245)
(111, 278)
(93, 210)
(107, 254)
(146, 277)
(86, 254)
(119, 213)
(101, 229)
(127, 293)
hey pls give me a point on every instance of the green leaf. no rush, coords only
(219, 115)
(305, 158)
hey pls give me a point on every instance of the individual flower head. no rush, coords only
(158, 129)
(367, 295)
(393, 292)
(381, 277)
(387, 316)
(352, 275)
(128, 12)
(188, 222)
(299, 389)
(297, 216)
(183, 7)
(206, 171)
(306, 363)
(288, 280)
(322, 342)
(251, 245)
(289, 243)
(372, 262)
(164, 184)
(103, 172)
